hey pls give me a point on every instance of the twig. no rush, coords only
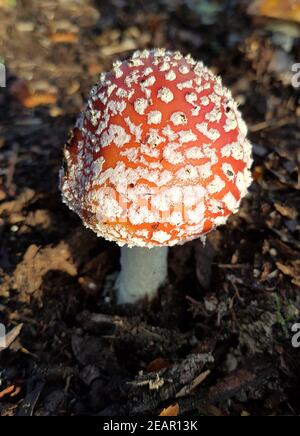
(186, 390)
(11, 336)
(271, 123)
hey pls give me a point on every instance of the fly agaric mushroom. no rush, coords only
(158, 157)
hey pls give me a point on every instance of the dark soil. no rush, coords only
(217, 340)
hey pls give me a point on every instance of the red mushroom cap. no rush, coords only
(159, 156)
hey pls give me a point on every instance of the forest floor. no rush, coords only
(217, 339)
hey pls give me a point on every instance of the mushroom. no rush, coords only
(158, 157)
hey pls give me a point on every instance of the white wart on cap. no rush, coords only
(160, 155)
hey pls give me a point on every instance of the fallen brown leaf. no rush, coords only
(292, 271)
(21, 92)
(239, 380)
(126, 45)
(281, 9)
(37, 261)
(170, 411)
(245, 413)
(7, 391)
(35, 100)
(16, 205)
(288, 271)
(158, 364)
(285, 211)
(64, 38)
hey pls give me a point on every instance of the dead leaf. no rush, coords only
(16, 205)
(240, 379)
(21, 92)
(170, 411)
(7, 391)
(245, 413)
(288, 271)
(258, 173)
(126, 45)
(37, 261)
(39, 99)
(281, 9)
(292, 271)
(286, 211)
(158, 364)
(64, 38)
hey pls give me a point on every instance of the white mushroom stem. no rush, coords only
(143, 271)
